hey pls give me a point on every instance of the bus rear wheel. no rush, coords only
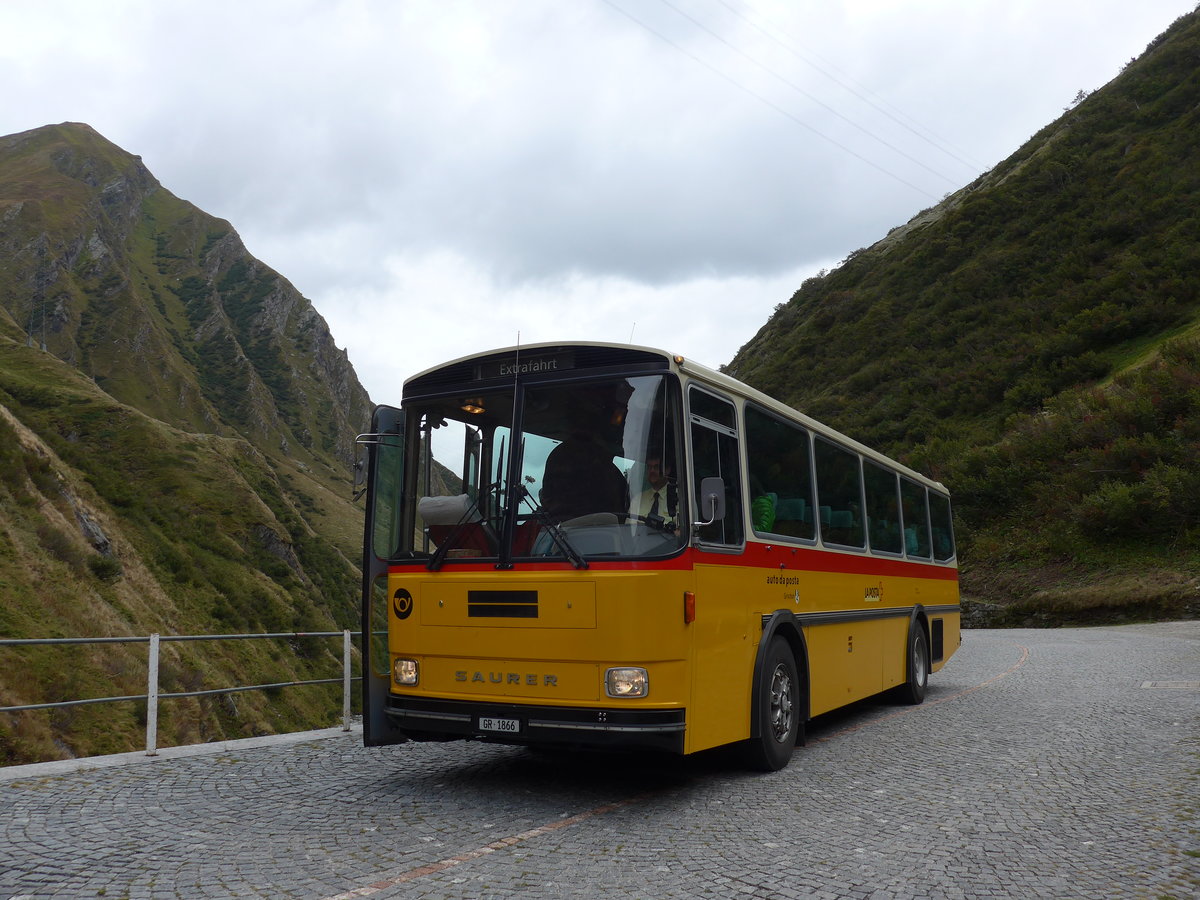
(778, 711)
(913, 689)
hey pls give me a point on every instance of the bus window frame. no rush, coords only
(929, 494)
(692, 419)
(413, 406)
(773, 536)
(835, 545)
(896, 476)
(916, 557)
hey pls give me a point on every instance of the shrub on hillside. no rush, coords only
(1119, 462)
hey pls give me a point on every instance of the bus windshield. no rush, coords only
(590, 471)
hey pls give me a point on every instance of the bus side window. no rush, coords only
(839, 495)
(942, 527)
(883, 508)
(780, 476)
(916, 519)
(715, 453)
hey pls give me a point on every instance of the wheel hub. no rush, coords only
(781, 704)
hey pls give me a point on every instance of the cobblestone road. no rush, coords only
(1058, 763)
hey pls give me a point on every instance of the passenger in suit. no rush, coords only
(659, 498)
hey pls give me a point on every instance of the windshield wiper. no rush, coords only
(470, 516)
(551, 527)
(439, 555)
(518, 492)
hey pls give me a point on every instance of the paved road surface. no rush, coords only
(1057, 763)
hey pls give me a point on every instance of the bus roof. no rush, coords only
(704, 375)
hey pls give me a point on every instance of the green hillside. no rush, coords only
(1032, 341)
(176, 443)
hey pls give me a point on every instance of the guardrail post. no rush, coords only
(346, 680)
(152, 699)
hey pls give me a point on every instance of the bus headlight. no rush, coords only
(626, 681)
(405, 671)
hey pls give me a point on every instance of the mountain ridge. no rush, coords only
(176, 448)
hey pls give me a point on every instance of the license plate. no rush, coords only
(507, 726)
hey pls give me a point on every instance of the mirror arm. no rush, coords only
(713, 499)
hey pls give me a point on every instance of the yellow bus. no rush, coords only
(609, 546)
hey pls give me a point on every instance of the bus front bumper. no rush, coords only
(430, 719)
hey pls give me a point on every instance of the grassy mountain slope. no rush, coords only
(986, 340)
(176, 459)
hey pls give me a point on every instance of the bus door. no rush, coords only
(385, 473)
(723, 645)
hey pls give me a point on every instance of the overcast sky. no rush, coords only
(441, 176)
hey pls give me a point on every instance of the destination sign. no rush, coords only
(520, 364)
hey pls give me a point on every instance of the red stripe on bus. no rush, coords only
(807, 559)
(754, 556)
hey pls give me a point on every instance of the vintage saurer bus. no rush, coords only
(608, 546)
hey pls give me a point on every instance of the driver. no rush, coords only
(581, 479)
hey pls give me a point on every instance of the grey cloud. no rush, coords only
(541, 139)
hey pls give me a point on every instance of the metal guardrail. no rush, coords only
(153, 695)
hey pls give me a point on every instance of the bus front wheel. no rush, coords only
(913, 689)
(778, 710)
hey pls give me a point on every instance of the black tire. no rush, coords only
(917, 654)
(779, 710)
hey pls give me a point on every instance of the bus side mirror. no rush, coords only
(712, 500)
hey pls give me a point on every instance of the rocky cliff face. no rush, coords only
(161, 304)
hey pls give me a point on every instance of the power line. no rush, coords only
(774, 106)
(912, 125)
(811, 97)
